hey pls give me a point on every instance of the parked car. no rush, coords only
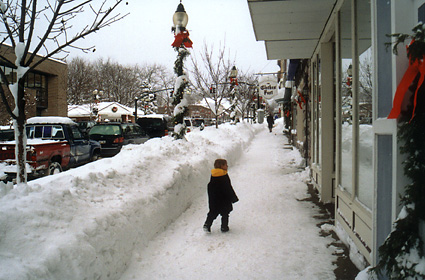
(53, 144)
(198, 122)
(189, 124)
(192, 123)
(112, 136)
(156, 125)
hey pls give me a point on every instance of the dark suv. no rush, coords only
(112, 136)
(156, 125)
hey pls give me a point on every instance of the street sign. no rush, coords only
(268, 87)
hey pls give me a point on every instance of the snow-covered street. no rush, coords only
(139, 215)
(273, 235)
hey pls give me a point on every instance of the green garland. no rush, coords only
(233, 105)
(178, 118)
(402, 254)
(416, 49)
(403, 249)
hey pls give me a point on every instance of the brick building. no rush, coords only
(45, 86)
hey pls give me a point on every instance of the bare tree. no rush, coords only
(246, 92)
(211, 78)
(117, 82)
(166, 82)
(21, 20)
(80, 82)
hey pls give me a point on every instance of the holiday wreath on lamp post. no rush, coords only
(180, 44)
(402, 255)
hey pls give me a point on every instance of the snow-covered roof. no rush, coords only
(105, 109)
(210, 103)
(79, 110)
(50, 120)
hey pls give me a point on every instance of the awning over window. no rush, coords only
(290, 28)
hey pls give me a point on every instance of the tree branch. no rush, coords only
(9, 31)
(31, 27)
(46, 34)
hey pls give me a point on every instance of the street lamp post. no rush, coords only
(135, 109)
(96, 96)
(181, 42)
(235, 92)
(233, 83)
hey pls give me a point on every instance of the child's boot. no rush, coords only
(225, 223)
(207, 228)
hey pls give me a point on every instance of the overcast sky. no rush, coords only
(145, 36)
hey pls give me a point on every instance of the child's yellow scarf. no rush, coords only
(217, 172)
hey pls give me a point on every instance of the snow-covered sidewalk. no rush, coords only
(121, 217)
(273, 234)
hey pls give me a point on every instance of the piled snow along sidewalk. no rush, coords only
(84, 223)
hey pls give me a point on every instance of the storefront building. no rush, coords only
(349, 80)
(45, 86)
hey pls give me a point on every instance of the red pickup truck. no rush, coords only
(54, 144)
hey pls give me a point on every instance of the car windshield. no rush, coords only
(106, 129)
(150, 122)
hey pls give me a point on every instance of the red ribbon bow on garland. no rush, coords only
(182, 38)
(302, 99)
(415, 67)
(234, 81)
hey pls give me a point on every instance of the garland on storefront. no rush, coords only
(402, 254)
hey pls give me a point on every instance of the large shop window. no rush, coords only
(357, 104)
(366, 180)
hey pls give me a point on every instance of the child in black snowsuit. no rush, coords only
(220, 196)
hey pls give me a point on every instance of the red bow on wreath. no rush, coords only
(182, 38)
(415, 67)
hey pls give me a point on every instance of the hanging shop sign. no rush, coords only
(268, 87)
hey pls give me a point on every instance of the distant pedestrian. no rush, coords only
(221, 196)
(270, 121)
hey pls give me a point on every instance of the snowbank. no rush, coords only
(84, 223)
